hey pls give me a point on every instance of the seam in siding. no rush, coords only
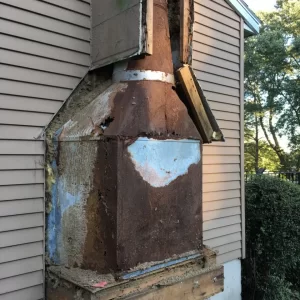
(39, 42)
(198, 70)
(22, 289)
(218, 12)
(209, 63)
(223, 32)
(217, 57)
(214, 47)
(40, 70)
(34, 83)
(29, 111)
(214, 37)
(62, 20)
(31, 97)
(213, 82)
(66, 8)
(215, 92)
(45, 57)
(43, 29)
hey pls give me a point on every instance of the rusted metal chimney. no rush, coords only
(128, 170)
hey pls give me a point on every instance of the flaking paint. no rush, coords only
(66, 222)
(160, 162)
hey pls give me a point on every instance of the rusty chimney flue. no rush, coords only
(142, 199)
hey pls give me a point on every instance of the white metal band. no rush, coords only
(141, 75)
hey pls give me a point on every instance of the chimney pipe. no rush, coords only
(140, 198)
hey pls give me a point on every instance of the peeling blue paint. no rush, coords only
(61, 201)
(160, 162)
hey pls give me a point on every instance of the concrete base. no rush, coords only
(232, 282)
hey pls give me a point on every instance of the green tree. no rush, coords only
(272, 78)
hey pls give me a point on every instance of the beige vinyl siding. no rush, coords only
(216, 62)
(44, 53)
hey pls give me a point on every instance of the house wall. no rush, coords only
(44, 52)
(216, 62)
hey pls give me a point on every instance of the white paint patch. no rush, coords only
(160, 162)
(232, 282)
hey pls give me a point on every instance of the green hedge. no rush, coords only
(272, 267)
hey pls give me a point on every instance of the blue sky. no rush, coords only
(261, 5)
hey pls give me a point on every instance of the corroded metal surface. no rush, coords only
(128, 173)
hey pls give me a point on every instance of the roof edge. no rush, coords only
(243, 10)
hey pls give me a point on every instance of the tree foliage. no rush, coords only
(272, 78)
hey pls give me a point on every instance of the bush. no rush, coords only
(272, 267)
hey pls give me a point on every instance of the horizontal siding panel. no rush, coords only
(215, 61)
(49, 10)
(211, 96)
(229, 247)
(19, 237)
(228, 143)
(214, 11)
(21, 147)
(21, 177)
(10, 132)
(216, 88)
(221, 186)
(39, 63)
(221, 195)
(219, 160)
(221, 213)
(221, 177)
(31, 293)
(203, 76)
(203, 20)
(213, 150)
(212, 42)
(42, 36)
(20, 222)
(224, 4)
(214, 233)
(17, 207)
(224, 107)
(218, 6)
(223, 240)
(33, 90)
(216, 205)
(24, 118)
(42, 22)
(224, 168)
(229, 125)
(21, 251)
(197, 46)
(19, 267)
(21, 162)
(208, 225)
(39, 77)
(221, 259)
(20, 282)
(216, 35)
(15, 192)
(227, 116)
(32, 104)
(208, 68)
(42, 50)
(234, 134)
(77, 6)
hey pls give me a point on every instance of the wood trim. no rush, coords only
(184, 30)
(242, 137)
(149, 24)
